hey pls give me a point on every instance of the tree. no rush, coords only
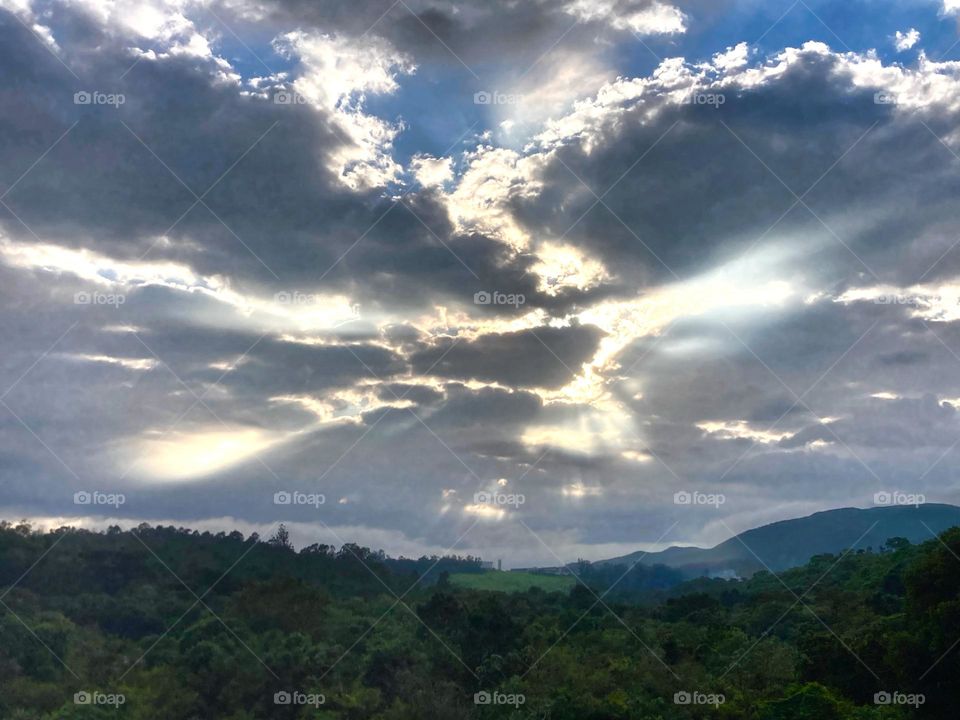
(281, 538)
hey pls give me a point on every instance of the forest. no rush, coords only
(174, 624)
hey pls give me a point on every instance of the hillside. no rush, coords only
(790, 543)
(170, 624)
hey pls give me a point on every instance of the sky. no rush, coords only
(534, 281)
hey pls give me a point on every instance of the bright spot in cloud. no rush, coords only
(562, 266)
(127, 363)
(602, 426)
(634, 456)
(485, 511)
(188, 456)
(929, 302)
(741, 429)
(579, 490)
(432, 172)
(885, 396)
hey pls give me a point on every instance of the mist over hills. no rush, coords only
(791, 543)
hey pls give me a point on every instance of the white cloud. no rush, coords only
(656, 18)
(741, 429)
(126, 363)
(288, 311)
(549, 89)
(906, 40)
(562, 265)
(936, 302)
(338, 73)
(432, 172)
(480, 200)
(734, 58)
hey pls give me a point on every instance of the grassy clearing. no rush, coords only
(512, 581)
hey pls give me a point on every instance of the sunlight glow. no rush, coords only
(186, 456)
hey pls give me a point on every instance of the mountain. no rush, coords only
(790, 543)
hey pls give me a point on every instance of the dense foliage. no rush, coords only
(185, 625)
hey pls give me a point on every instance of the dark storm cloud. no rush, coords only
(450, 32)
(275, 216)
(814, 389)
(291, 368)
(486, 407)
(108, 188)
(419, 394)
(701, 190)
(542, 357)
(890, 424)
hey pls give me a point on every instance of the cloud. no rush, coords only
(337, 74)
(431, 171)
(737, 267)
(905, 40)
(644, 18)
(545, 357)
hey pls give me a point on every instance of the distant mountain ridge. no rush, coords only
(790, 543)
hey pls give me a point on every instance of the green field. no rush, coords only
(512, 581)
